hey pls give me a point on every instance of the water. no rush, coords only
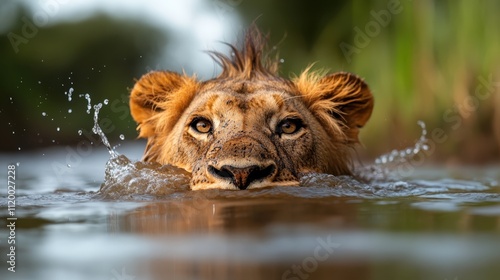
(439, 224)
(95, 213)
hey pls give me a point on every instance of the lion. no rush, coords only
(249, 127)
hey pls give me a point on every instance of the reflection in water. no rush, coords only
(268, 235)
(222, 232)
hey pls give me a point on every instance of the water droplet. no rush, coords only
(89, 105)
(19, 148)
(13, 132)
(282, 60)
(70, 111)
(58, 129)
(70, 93)
(80, 132)
(44, 114)
(106, 102)
(122, 137)
(18, 163)
(68, 165)
(39, 82)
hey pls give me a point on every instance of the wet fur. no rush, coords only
(245, 103)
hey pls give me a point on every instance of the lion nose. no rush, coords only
(242, 177)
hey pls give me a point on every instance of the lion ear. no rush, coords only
(157, 92)
(344, 97)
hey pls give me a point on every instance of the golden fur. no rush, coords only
(249, 127)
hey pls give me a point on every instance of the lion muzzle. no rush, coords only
(242, 177)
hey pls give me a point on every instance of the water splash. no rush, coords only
(400, 156)
(97, 130)
(125, 178)
(380, 170)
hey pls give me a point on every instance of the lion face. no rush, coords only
(249, 128)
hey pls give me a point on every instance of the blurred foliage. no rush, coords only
(100, 56)
(436, 61)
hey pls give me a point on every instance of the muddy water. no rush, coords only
(435, 223)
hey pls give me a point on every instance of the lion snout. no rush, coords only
(242, 177)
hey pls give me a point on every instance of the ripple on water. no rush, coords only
(128, 179)
(124, 178)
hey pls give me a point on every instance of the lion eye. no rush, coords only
(201, 125)
(289, 126)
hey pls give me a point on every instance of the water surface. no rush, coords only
(435, 223)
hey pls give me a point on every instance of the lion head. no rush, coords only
(248, 127)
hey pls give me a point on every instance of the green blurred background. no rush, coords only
(436, 61)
